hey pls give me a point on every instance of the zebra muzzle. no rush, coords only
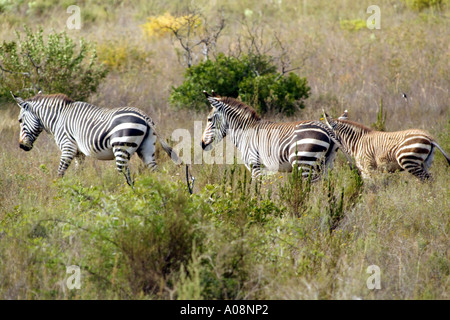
(25, 147)
(206, 147)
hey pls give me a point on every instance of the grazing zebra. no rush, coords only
(276, 146)
(411, 150)
(82, 129)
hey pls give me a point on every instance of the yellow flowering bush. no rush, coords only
(121, 55)
(161, 25)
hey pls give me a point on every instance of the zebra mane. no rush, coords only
(355, 125)
(58, 96)
(241, 106)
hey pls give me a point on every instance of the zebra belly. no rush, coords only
(273, 169)
(103, 155)
(106, 154)
(389, 166)
(285, 167)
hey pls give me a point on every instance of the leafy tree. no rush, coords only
(253, 78)
(53, 65)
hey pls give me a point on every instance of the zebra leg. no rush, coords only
(68, 152)
(429, 160)
(128, 177)
(308, 170)
(417, 170)
(254, 168)
(79, 159)
(123, 153)
(146, 151)
(256, 171)
(366, 166)
(366, 175)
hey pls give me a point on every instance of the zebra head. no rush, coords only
(216, 127)
(30, 125)
(340, 127)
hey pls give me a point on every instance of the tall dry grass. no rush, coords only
(397, 223)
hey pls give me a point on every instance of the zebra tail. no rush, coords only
(443, 152)
(172, 154)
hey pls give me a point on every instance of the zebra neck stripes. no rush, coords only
(349, 134)
(264, 144)
(82, 128)
(411, 150)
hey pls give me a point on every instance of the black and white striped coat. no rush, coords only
(310, 145)
(411, 150)
(81, 129)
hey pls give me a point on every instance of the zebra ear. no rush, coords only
(211, 97)
(18, 99)
(325, 117)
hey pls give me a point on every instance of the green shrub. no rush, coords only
(353, 25)
(143, 235)
(122, 56)
(239, 210)
(334, 208)
(380, 124)
(295, 192)
(52, 65)
(420, 5)
(253, 78)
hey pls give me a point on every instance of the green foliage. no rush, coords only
(380, 124)
(52, 65)
(253, 78)
(238, 210)
(121, 56)
(353, 25)
(354, 188)
(6, 5)
(233, 239)
(420, 5)
(295, 192)
(143, 241)
(272, 92)
(334, 209)
(260, 250)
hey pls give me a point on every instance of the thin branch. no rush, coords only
(189, 39)
(284, 59)
(37, 68)
(9, 71)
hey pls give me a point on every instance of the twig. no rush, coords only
(37, 67)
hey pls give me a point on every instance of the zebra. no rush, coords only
(411, 150)
(310, 145)
(82, 129)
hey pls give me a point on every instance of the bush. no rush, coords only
(123, 56)
(143, 235)
(380, 124)
(158, 26)
(353, 25)
(420, 5)
(54, 65)
(253, 78)
(295, 192)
